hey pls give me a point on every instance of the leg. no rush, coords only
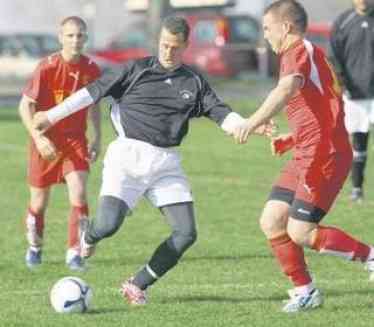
(290, 256)
(76, 182)
(181, 219)
(360, 145)
(327, 240)
(35, 224)
(111, 213)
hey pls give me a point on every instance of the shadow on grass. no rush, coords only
(222, 299)
(111, 310)
(228, 257)
(140, 261)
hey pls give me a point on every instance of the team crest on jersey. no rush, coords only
(58, 95)
(186, 95)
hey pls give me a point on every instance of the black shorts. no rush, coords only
(299, 209)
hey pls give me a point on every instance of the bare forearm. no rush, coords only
(274, 103)
(26, 111)
(276, 100)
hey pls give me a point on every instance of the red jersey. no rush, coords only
(54, 80)
(315, 114)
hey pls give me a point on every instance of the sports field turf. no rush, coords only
(227, 279)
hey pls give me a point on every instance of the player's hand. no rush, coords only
(94, 150)
(281, 144)
(242, 131)
(40, 122)
(268, 129)
(45, 147)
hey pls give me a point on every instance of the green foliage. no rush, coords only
(228, 278)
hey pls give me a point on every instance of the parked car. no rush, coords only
(220, 45)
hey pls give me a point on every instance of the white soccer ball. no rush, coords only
(71, 295)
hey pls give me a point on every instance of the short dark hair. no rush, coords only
(176, 25)
(292, 10)
(76, 20)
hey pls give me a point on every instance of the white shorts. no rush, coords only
(359, 114)
(133, 169)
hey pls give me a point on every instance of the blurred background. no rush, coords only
(225, 43)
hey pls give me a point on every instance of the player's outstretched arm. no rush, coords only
(79, 100)
(274, 103)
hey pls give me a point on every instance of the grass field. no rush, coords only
(227, 279)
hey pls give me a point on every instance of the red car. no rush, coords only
(220, 45)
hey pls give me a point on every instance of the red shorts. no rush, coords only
(73, 156)
(312, 189)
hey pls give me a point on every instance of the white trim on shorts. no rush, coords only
(133, 169)
(359, 114)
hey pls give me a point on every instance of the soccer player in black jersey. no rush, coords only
(153, 100)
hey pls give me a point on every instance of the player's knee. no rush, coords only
(38, 209)
(110, 216)
(182, 241)
(38, 206)
(272, 225)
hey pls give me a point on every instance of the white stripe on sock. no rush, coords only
(151, 272)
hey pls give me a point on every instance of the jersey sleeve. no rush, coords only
(336, 47)
(211, 105)
(295, 62)
(33, 88)
(112, 82)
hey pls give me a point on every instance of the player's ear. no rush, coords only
(287, 26)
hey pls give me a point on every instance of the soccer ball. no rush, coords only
(71, 295)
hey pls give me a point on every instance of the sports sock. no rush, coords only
(34, 228)
(163, 259)
(331, 240)
(360, 145)
(76, 214)
(145, 277)
(291, 259)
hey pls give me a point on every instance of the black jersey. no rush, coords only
(154, 105)
(352, 49)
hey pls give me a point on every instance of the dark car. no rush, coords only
(220, 45)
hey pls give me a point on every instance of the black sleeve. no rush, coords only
(336, 47)
(112, 82)
(211, 105)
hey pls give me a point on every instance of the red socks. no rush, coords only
(76, 214)
(291, 259)
(331, 240)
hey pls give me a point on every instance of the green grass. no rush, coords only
(228, 278)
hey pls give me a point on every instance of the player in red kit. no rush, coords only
(322, 155)
(62, 154)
